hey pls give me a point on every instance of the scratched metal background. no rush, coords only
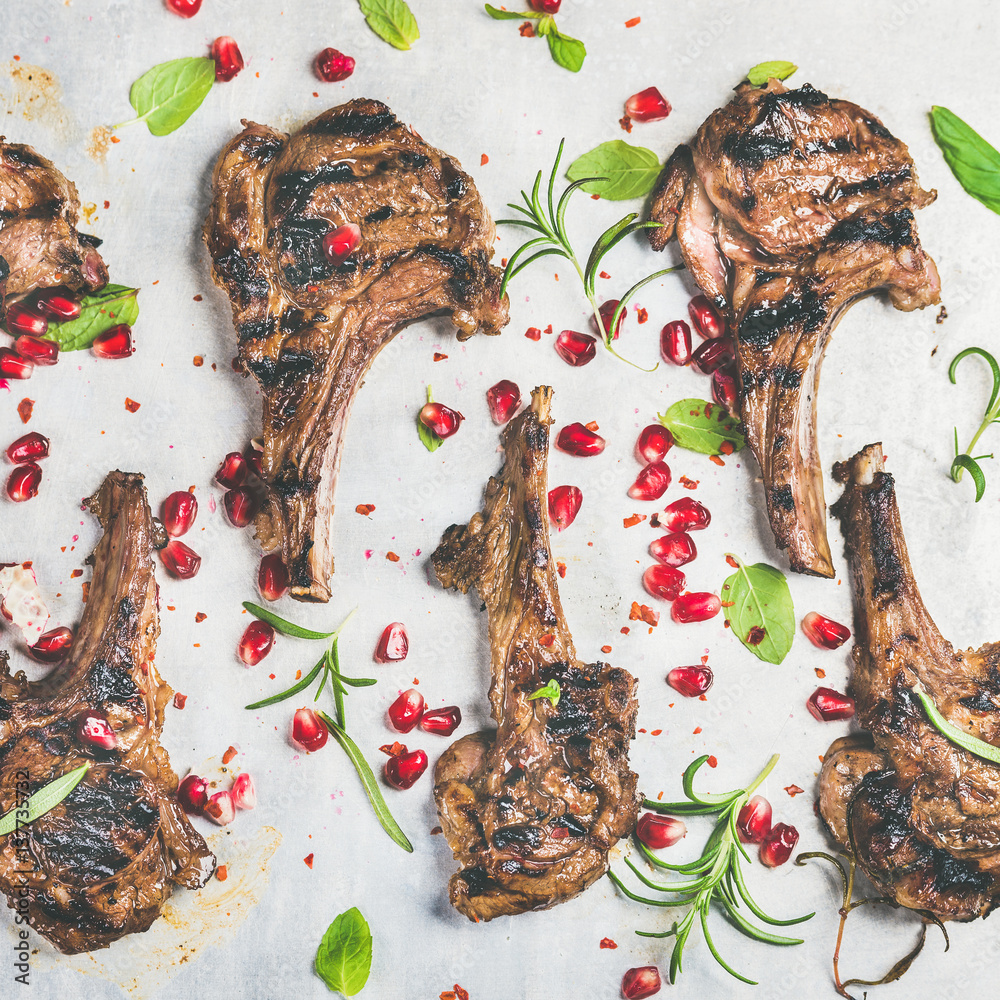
(474, 87)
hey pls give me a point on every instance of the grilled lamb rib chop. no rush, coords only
(531, 810)
(309, 329)
(102, 863)
(39, 243)
(788, 207)
(921, 815)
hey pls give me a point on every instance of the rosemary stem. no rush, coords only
(768, 768)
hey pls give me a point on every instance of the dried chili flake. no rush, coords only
(608, 943)
(715, 460)
(180, 700)
(634, 614)
(438, 356)
(533, 333)
(592, 425)
(24, 409)
(625, 630)
(229, 755)
(222, 873)
(626, 123)
(435, 830)
(641, 315)
(632, 22)
(548, 329)
(820, 672)
(756, 635)
(712, 761)
(546, 640)
(308, 859)
(561, 569)
(392, 557)
(200, 617)
(75, 574)
(656, 732)
(605, 649)
(483, 160)
(648, 615)
(631, 522)
(794, 790)
(393, 749)
(689, 484)
(732, 562)
(727, 448)
(527, 30)
(364, 509)
(198, 361)
(131, 405)
(461, 994)
(605, 275)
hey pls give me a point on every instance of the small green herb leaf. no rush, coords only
(617, 170)
(778, 69)
(166, 96)
(112, 305)
(512, 15)
(40, 802)
(973, 161)
(974, 469)
(552, 691)
(344, 958)
(293, 690)
(761, 614)
(967, 461)
(959, 737)
(566, 52)
(704, 427)
(284, 626)
(392, 21)
(428, 438)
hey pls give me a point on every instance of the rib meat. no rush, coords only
(102, 863)
(921, 815)
(788, 207)
(532, 809)
(309, 329)
(39, 243)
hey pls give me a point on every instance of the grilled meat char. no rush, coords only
(788, 207)
(532, 809)
(921, 815)
(309, 329)
(102, 863)
(40, 246)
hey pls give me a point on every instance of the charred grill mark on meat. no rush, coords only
(921, 815)
(531, 810)
(309, 329)
(103, 862)
(788, 207)
(39, 243)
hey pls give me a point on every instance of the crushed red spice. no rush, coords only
(715, 460)
(820, 672)
(630, 522)
(435, 830)
(308, 859)
(641, 315)
(438, 356)
(483, 160)
(200, 617)
(527, 30)
(365, 508)
(626, 123)
(732, 562)
(656, 732)
(756, 635)
(392, 557)
(180, 700)
(632, 22)
(696, 730)
(198, 361)
(546, 640)
(794, 790)
(561, 569)
(727, 448)
(24, 409)
(393, 749)
(197, 298)
(229, 755)
(533, 333)
(605, 275)
(712, 761)
(625, 630)
(75, 574)
(689, 484)
(222, 873)
(605, 649)
(608, 943)
(131, 405)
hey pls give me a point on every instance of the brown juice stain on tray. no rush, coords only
(190, 922)
(33, 92)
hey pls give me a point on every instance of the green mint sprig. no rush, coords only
(166, 96)
(565, 51)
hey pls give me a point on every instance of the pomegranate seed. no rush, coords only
(657, 831)
(441, 419)
(686, 514)
(220, 808)
(503, 400)
(21, 318)
(178, 513)
(576, 349)
(341, 242)
(41, 352)
(651, 483)
(675, 343)
(724, 390)
(244, 792)
(641, 982)
(233, 471)
(676, 549)
(114, 343)
(181, 561)
(653, 444)
(648, 105)
(443, 721)
(258, 638)
(754, 821)
(58, 305)
(712, 354)
(12, 365)
(545, 6)
(664, 582)
(564, 505)
(309, 732)
(405, 711)
(228, 58)
(94, 729)
(820, 631)
(706, 318)
(272, 577)
(333, 66)
(828, 705)
(403, 770)
(778, 844)
(691, 681)
(192, 794)
(28, 448)
(52, 646)
(184, 8)
(241, 508)
(254, 455)
(698, 607)
(575, 439)
(393, 644)
(607, 313)
(23, 482)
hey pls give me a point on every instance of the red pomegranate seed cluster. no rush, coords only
(178, 514)
(309, 732)
(332, 66)
(824, 632)
(197, 799)
(658, 832)
(255, 643)
(828, 705)
(753, 825)
(393, 644)
(25, 453)
(576, 349)
(503, 399)
(228, 58)
(408, 711)
(440, 419)
(641, 982)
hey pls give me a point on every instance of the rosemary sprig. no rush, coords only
(966, 460)
(42, 800)
(549, 222)
(715, 877)
(968, 742)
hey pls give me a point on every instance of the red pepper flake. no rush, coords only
(272, 676)
(561, 569)
(625, 630)
(634, 614)
(180, 700)
(438, 356)
(308, 859)
(626, 123)
(689, 484)
(24, 409)
(632, 22)
(222, 873)
(461, 994)
(641, 730)
(229, 755)
(716, 460)
(728, 604)
(794, 790)
(364, 509)
(115, 138)
(712, 761)
(648, 615)
(820, 672)
(608, 943)
(200, 617)
(656, 732)
(107, 204)
(605, 649)
(696, 730)
(727, 447)
(75, 574)
(533, 333)
(392, 557)
(483, 160)
(631, 522)
(593, 425)
(641, 315)
(448, 995)
(546, 640)
(527, 30)
(393, 749)
(197, 298)
(131, 405)
(756, 635)
(170, 607)
(732, 562)
(198, 361)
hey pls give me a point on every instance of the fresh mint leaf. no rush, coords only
(344, 957)
(40, 802)
(512, 15)
(112, 305)
(701, 426)
(428, 438)
(392, 21)
(552, 691)
(777, 69)
(618, 171)
(166, 96)
(759, 610)
(566, 52)
(973, 161)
